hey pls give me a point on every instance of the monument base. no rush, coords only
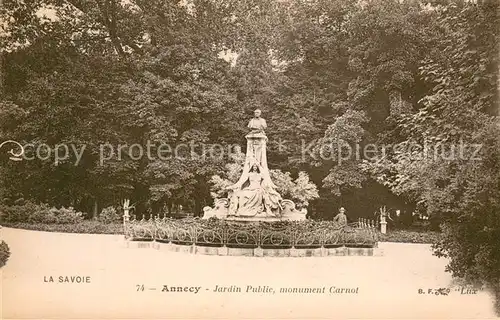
(253, 219)
(288, 212)
(255, 252)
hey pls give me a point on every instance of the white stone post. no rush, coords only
(126, 208)
(126, 215)
(383, 224)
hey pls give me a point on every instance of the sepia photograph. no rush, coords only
(249, 159)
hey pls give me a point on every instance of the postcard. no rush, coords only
(264, 159)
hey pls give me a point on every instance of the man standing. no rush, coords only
(341, 218)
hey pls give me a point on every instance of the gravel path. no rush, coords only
(387, 286)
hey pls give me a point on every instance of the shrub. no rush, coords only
(39, 213)
(18, 212)
(300, 190)
(410, 236)
(4, 253)
(109, 215)
(472, 246)
(65, 215)
(85, 227)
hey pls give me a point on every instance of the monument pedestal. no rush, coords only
(254, 197)
(253, 219)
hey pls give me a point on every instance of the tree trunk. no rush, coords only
(197, 207)
(96, 207)
(1, 74)
(169, 208)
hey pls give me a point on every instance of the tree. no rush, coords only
(453, 172)
(163, 82)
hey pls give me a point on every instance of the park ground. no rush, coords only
(388, 284)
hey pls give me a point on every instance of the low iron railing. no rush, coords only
(281, 234)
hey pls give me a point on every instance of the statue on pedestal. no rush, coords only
(254, 195)
(256, 138)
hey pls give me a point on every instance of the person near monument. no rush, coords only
(341, 218)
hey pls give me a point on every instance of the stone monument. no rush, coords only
(254, 197)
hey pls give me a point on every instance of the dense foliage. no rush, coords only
(97, 75)
(4, 253)
(109, 215)
(39, 213)
(360, 96)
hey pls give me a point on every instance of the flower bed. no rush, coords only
(282, 234)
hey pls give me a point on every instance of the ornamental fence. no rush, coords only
(225, 233)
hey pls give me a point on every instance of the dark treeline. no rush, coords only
(325, 74)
